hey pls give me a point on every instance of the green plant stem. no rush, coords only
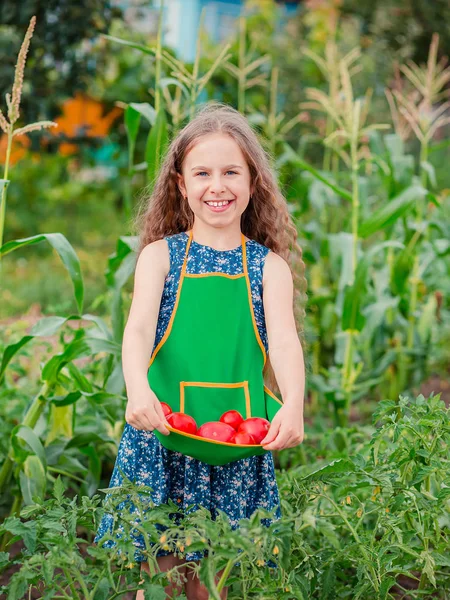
(242, 75)
(71, 583)
(5, 187)
(80, 580)
(414, 280)
(405, 363)
(347, 371)
(61, 472)
(244, 583)
(315, 367)
(421, 201)
(158, 59)
(297, 160)
(225, 574)
(100, 577)
(122, 592)
(272, 117)
(64, 594)
(196, 69)
(356, 538)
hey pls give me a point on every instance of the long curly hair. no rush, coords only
(266, 219)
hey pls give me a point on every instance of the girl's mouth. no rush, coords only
(219, 206)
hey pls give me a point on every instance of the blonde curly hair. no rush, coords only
(266, 219)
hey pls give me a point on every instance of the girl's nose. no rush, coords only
(217, 186)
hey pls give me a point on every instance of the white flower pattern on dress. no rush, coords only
(237, 488)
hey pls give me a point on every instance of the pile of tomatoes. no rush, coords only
(231, 427)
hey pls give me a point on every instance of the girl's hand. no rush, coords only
(144, 411)
(286, 429)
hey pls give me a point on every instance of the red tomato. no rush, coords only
(233, 418)
(182, 422)
(243, 438)
(166, 409)
(215, 430)
(255, 426)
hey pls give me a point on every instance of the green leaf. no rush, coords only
(22, 433)
(157, 142)
(60, 422)
(355, 295)
(120, 267)
(392, 211)
(84, 439)
(10, 351)
(394, 144)
(339, 465)
(427, 319)
(66, 253)
(154, 592)
(166, 81)
(47, 326)
(429, 170)
(293, 158)
(76, 349)
(18, 585)
(59, 489)
(32, 480)
(102, 591)
(144, 49)
(385, 586)
(85, 346)
(4, 559)
(66, 400)
(146, 110)
(340, 249)
(132, 121)
(328, 583)
(439, 146)
(26, 531)
(441, 560)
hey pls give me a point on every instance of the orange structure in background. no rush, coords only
(83, 117)
(19, 148)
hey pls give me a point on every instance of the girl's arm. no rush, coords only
(143, 408)
(286, 354)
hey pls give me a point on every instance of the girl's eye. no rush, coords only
(204, 172)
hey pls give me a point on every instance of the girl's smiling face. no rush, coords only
(215, 170)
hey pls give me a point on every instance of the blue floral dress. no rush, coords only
(237, 488)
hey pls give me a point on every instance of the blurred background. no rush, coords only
(73, 178)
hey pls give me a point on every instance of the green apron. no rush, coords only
(211, 360)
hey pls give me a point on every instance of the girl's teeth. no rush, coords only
(217, 203)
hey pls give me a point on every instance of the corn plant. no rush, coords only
(358, 144)
(7, 125)
(31, 461)
(248, 63)
(424, 118)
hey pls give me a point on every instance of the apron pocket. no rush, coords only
(206, 401)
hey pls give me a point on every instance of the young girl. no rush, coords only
(216, 212)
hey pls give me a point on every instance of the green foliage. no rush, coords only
(374, 520)
(407, 29)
